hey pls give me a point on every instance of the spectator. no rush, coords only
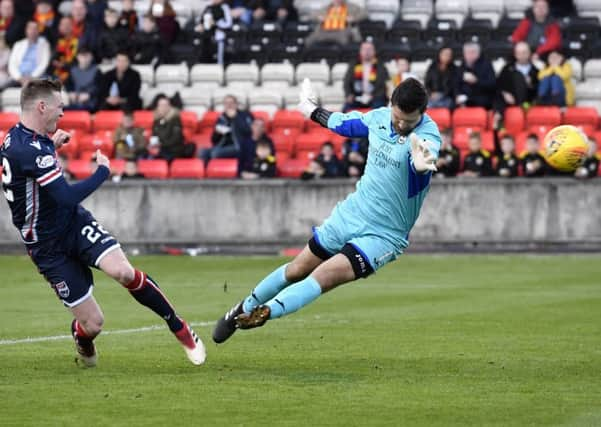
(232, 129)
(4, 58)
(590, 167)
(167, 129)
(555, 82)
(475, 80)
(448, 157)
(517, 83)
(84, 27)
(538, 29)
(96, 9)
(84, 82)
(325, 165)
(533, 162)
(248, 146)
(29, 57)
(130, 171)
(402, 67)
(113, 37)
(129, 139)
(209, 29)
(354, 152)
(121, 86)
(337, 24)
(241, 11)
(281, 11)
(164, 16)
(507, 161)
(365, 80)
(263, 165)
(478, 162)
(12, 25)
(47, 20)
(65, 50)
(146, 44)
(128, 18)
(440, 80)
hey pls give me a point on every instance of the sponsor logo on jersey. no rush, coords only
(44, 162)
(62, 289)
(35, 143)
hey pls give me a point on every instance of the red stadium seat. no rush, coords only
(288, 119)
(8, 120)
(284, 139)
(441, 116)
(309, 144)
(281, 156)
(107, 120)
(187, 168)
(292, 168)
(189, 121)
(143, 119)
(474, 117)
(208, 121)
(263, 115)
(70, 149)
(202, 140)
(80, 169)
(78, 120)
(585, 118)
(547, 116)
(117, 166)
(102, 140)
(153, 169)
(222, 168)
(514, 120)
(461, 138)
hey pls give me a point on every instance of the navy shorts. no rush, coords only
(65, 261)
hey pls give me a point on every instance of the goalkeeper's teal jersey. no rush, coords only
(390, 194)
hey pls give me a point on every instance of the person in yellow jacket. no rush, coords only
(555, 81)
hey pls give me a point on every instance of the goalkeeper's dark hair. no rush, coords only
(410, 96)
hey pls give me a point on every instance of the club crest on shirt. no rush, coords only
(62, 289)
(402, 139)
(35, 143)
(44, 162)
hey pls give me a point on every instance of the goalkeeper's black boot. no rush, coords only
(226, 326)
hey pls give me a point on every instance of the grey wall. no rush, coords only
(212, 212)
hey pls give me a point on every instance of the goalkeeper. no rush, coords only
(371, 227)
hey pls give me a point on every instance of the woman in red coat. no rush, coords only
(538, 29)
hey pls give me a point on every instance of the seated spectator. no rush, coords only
(130, 171)
(146, 44)
(96, 10)
(263, 165)
(164, 16)
(47, 20)
(478, 161)
(4, 58)
(231, 131)
(248, 146)
(555, 82)
(85, 28)
(129, 139)
(507, 161)
(440, 80)
(475, 82)
(12, 25)
(281, 11)
(354, 152)
(121, 86)
(241, 11)
(590, 167)
(517, 83)
(129, 17)
(448, 157)
(113, 37)
(65, 50)
(538, 29)
(29, 57)
(325, 165)
(167, 128)
(208, 29)
(83, 83)
(365, 80)
(533, 162)
(337, 24)
(403, 67)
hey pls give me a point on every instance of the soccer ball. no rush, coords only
(566, 147)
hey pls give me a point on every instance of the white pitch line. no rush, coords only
(30, 340)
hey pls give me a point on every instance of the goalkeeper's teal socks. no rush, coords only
(266, 289)
(294, 297)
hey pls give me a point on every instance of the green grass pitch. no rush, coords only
(429, 340)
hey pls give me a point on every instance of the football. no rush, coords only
(565, 148)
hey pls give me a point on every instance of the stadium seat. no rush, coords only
(153, 169)
(308, 9)
(385, 10)
(455, 10)
(373, 30)
(515, 9)
(265, 99)
(296, 33)
(322, 53)
(80, 169)
(187, 169)
(292, 168)
(474, 117)
(143, 119)
(476, 30)
(146, 73)
(514, 120)
(79, 120)
(198, 98)
(331, 97)
(590, 89)
(461, 137)
(222, 168)
(288, 119)
(590, 8)
(419, 10)
(107, 120)
(242, 73)
(284, 139)
(338, 71)
(189, 121)
(172, 75)
(10, 99)
(8, 120)
(208, 75)
(487, 9)
(101, 140)
(117, 166)
(265, 116)
(441, 116)
(543, 116)
(594, 103)
(208, 121)
(71, 149)
(405, 32)
(319, 73)
(592, 69)
(240, 92)
(277, 73)
(586, 118)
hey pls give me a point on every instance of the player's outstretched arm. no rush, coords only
(350, 125)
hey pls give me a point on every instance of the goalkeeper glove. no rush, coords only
(423, 159)
(308, 100)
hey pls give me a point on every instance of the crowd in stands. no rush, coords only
(94, 47)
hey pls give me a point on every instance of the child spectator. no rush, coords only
(65, 50)
(590, 167)
(130, 171)
(448, 157)
(128, 18)
(167, 129)
(507, 161)
(113, 37)
(121, 86)
(478, 161)
(555, 81)
(83, 83)
(325, 165)
(146, 44)
(440, 80)
(129, 140)
(354, 153)
(263, 165)
(533, 162)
